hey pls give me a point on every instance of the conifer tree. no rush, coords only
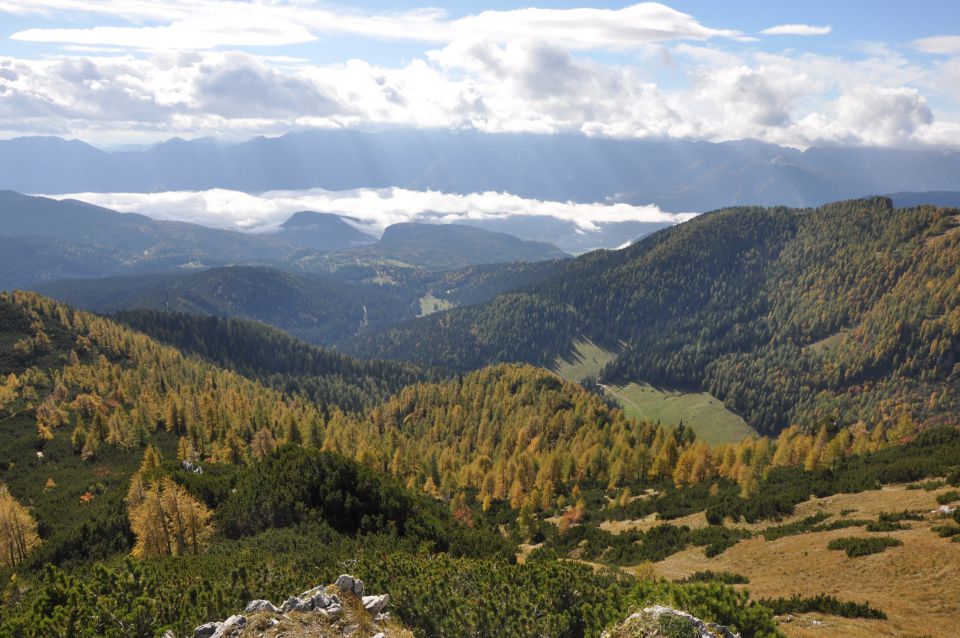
(18, 530)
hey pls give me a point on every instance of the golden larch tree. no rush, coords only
(18, 530)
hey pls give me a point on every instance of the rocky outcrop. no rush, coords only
(340, 609)
(664, 622)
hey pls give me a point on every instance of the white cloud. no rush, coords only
(798, 29)
(883, 116)
(589, 28)
(519, 86)
(194, 33)
(942, 44)
(207, 24)
(375, 208)
(524, 70)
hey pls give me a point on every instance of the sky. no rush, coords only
(115, 72)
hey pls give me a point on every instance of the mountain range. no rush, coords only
(46, 239)
(677, 175)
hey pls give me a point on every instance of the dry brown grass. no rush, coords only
(917, 585)
(524, 550)
(693, 521)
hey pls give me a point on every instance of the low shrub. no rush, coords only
(947, 531)
(856, 547)
(824, 604)
(797, 527)
(886, 526)
(948, 497)
(894, 517)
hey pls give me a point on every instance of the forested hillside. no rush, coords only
(845, 313)
(502, 437)
(321, 308)
(274, 358)
(316, 308)
(261, 489)
(122, 425)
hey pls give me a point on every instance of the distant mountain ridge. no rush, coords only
(677, 175)
(935, 198)
(322, 231)
(446, 246)
(51, 239)
(43, 239)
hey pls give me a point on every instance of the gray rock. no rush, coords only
(230, 627)
(255, 606)
(310, 593)
(316, 600)
(302, 604)
(206, 630)
(375, 604)
(347, 583)
(321, 600)
(289, 604)
(168, 634)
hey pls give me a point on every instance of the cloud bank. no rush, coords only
(207, 24)
(798, 29)
(375, 209)
(522, 86)
(642, 71)
(939, 44)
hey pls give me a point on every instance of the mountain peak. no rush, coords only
(457, 245)
(312, 218)
(323, 231)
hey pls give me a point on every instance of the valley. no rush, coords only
(704, 414)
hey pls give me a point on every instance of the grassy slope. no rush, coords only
(917, 585)
(430, 304)
(701, 411)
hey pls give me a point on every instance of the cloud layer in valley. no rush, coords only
(374, 209)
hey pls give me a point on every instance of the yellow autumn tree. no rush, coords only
(166, 519)
(18, 530)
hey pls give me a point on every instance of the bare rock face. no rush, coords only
(665, 622)
(340, 609)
